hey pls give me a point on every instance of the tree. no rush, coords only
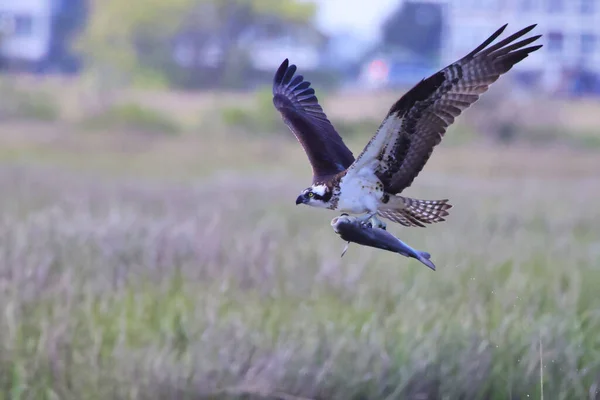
(416, 27)
(134, 37)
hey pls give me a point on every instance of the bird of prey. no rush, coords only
(415, 124)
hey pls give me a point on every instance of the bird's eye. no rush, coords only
(311, 194)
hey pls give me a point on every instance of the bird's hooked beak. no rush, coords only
(301, 199)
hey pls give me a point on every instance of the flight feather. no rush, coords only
(417, 122)
(296, 101)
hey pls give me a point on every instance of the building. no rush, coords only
(571, 29)
(36, 34)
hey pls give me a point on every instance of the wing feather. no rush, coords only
(296, 101)
(417, 122)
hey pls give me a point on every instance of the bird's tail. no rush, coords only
(414, 212)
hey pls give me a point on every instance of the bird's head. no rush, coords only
(315, 196)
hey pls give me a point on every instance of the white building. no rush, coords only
(25, 29)
(570, 28)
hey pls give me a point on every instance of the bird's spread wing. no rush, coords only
(418, 121)
(296, 101)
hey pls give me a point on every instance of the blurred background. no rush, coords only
(150, 247)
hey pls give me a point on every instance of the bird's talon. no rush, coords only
(376, 222)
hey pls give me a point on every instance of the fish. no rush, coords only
(352, 230)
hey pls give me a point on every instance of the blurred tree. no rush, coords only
(415, 26)
(68, 23)
(108, 40)
(137, 38)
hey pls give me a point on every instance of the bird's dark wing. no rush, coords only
(296, 101)
(418, 121)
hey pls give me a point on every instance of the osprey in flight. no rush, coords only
(396, 154)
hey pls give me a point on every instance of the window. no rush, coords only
(555, 42)
(555, 6)
(588, 43)
(587, 6)
(23, 25)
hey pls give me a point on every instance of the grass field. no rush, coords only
(153, 267)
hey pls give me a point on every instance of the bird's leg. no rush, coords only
(372, 220)
(366, 218)
(377, 223)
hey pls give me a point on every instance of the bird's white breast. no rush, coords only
(359, 193)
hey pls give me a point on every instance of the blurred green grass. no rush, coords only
(146, 289)
(133, 117)
(177, 266)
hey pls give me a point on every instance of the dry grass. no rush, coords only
(82, 96)
(209, 283)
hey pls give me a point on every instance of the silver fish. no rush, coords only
(352, 230)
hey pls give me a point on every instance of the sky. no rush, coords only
(360, 17)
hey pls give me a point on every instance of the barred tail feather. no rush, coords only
(414, 212)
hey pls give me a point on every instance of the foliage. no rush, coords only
(148, 290)
(17, 103)
(137, 35)
(363, 128)
(133, 117)
(261, 118)
(416, 27)
(110, 32)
